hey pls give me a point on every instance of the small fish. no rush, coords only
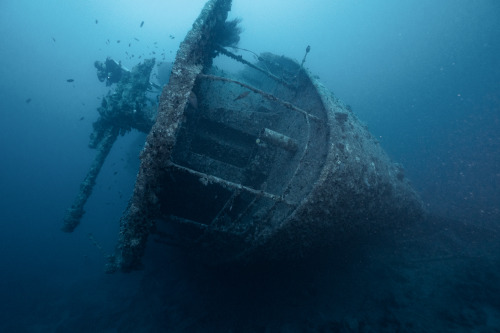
(242, 95)
(115, 173)
(107, 41)
(137, 39)
(142, 23)
(70, 80)
(28, 100)
(53, 39)
(129, 44)
(82, 118)
(171, 37)
(118, 41)
(96, 21)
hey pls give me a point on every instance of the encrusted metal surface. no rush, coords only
(265, 163)
(194, 52)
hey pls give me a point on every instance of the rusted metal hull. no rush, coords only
(265, 163)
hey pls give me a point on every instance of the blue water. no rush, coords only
(423, 75)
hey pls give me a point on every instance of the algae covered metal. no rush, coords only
(264, 163)
(124, 108)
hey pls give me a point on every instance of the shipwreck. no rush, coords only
(263, 164)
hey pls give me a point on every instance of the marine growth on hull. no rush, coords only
(247, 153)
(262, 164)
